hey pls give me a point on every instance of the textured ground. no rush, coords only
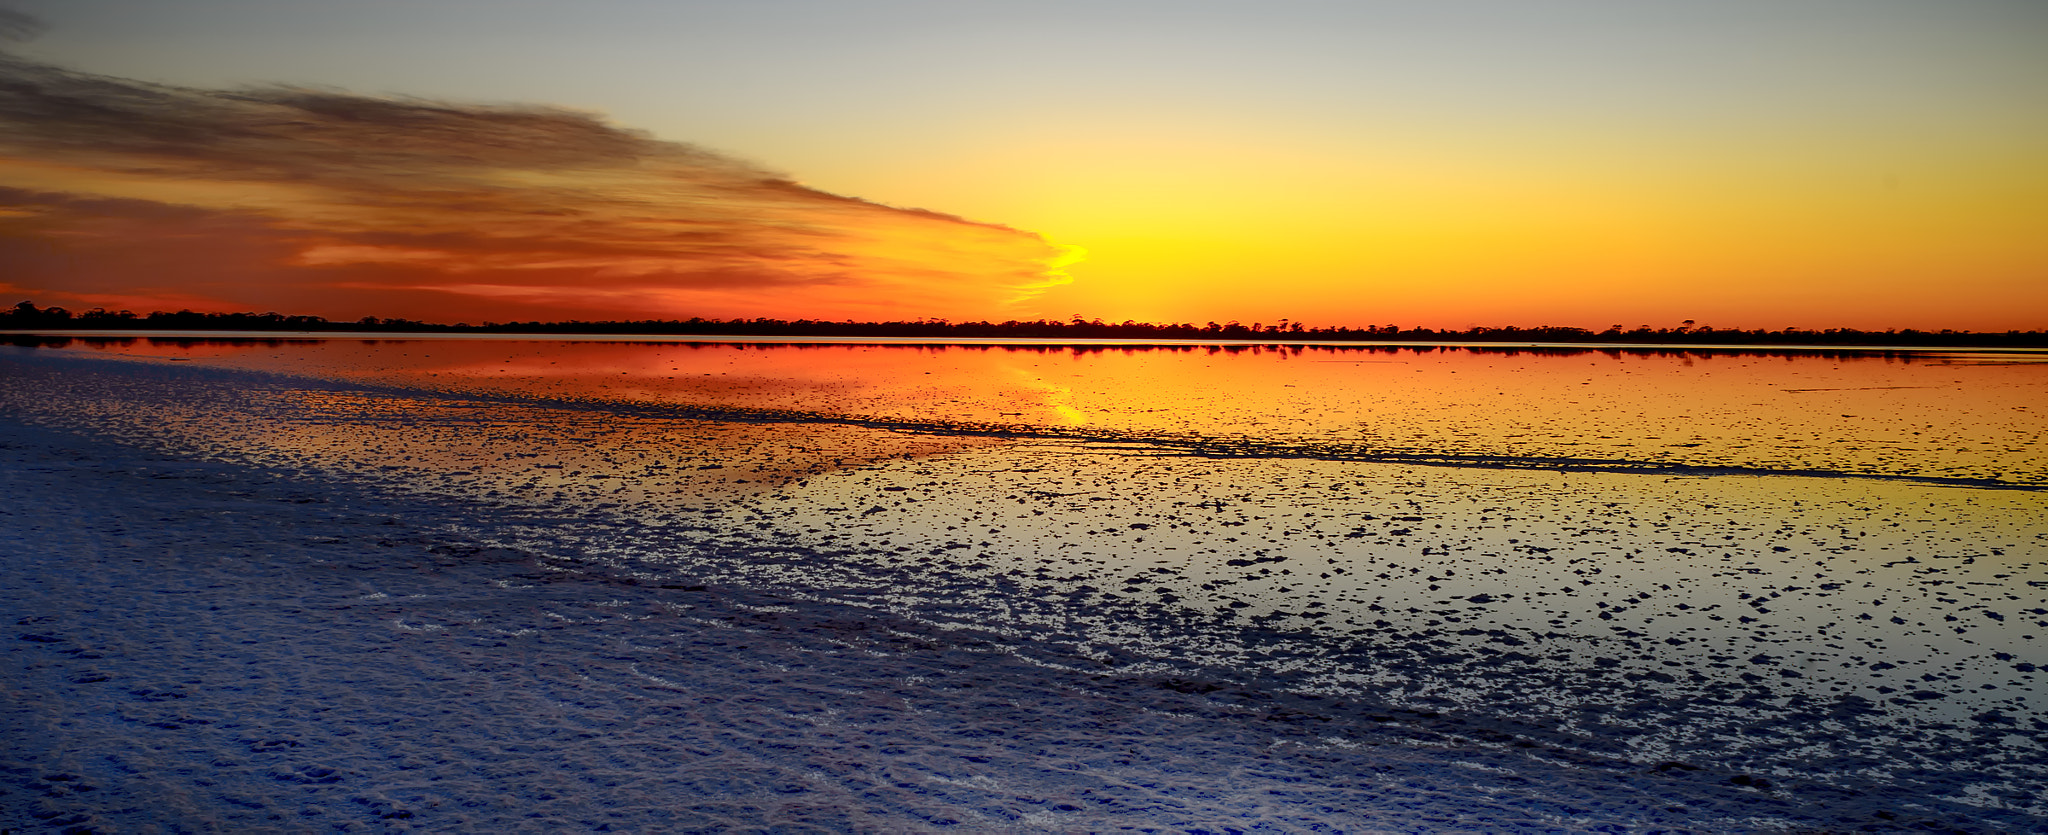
(198, 648)
(243, 601)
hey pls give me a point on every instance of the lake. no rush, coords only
(1820, 576)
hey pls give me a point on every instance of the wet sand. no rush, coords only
(1148, 634)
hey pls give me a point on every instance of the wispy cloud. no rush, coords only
(18, 26)
(333, 202)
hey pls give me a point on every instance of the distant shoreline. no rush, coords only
(26, 318)
(32, 337)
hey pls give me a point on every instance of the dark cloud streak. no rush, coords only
(317, 135)
(490, 198)
(19, 26)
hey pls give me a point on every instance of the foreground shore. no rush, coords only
(289, 602)
(202, 648)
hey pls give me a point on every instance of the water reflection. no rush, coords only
(1939, 415)
(1577, 567)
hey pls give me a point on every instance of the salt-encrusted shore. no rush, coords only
(288, 601)
(201, 647)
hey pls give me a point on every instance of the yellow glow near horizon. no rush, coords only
(1857, 163)
(1867, 235)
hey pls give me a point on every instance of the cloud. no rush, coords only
(19, 26)
(274, 195)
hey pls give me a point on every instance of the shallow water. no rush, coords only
(1829, 568)
(1930, 414)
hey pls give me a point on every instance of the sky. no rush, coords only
(1791, 163)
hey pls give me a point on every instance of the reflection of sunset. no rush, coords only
(1934, 414)
(974, 533)
(1506, 539)
(1057, 398)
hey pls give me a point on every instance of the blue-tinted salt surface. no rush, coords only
(297, 595)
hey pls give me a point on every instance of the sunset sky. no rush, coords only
(1741, 163)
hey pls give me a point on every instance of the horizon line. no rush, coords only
(27, 317)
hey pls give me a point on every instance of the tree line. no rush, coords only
(27, 316)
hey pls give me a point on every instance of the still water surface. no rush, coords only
(1828, 566)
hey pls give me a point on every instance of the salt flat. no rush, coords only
(242, 605)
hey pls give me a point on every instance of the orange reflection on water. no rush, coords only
(1927, 414)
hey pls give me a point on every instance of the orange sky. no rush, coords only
(128, 195)
(1869, 164)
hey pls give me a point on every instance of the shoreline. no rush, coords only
(1025, 342)
(207, 646)
(410, 627)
